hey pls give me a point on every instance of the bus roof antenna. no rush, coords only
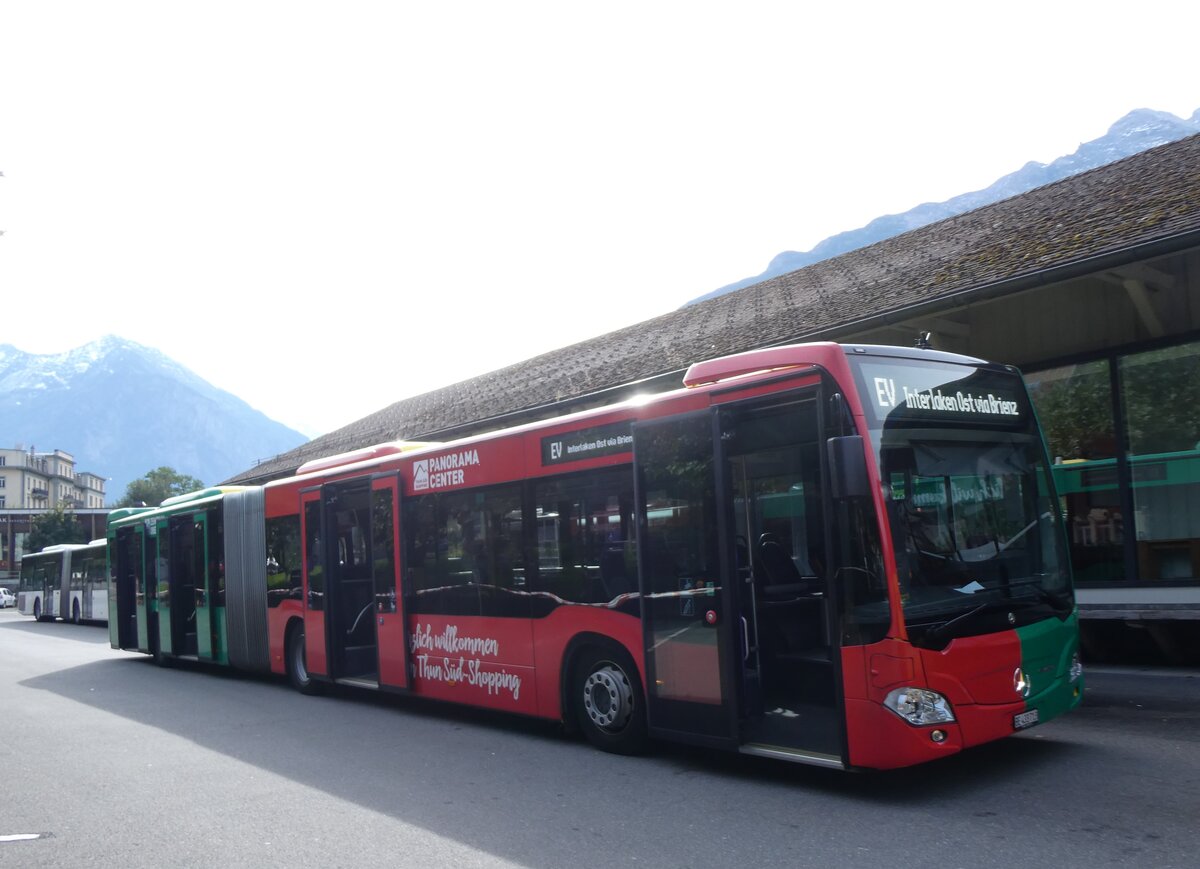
(922, 341)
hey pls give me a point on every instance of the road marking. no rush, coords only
(20, 837)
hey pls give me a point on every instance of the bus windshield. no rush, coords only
(975, 527)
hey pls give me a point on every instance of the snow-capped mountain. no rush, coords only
(122, 409)
(1138, 131)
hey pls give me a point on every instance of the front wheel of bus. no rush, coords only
(297, 664)
(608, 700)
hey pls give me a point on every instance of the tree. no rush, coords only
(158, 485)
(56, 526)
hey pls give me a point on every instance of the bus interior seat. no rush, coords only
(780, 568)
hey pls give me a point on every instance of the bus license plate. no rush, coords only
(1025, 719)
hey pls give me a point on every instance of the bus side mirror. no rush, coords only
(847, 467)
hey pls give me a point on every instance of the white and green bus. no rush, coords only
(68, 581)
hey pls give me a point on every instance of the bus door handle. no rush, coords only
(745, 640)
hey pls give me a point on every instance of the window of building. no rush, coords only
(1127, 466)
(1161, 397)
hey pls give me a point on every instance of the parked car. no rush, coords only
(7, 598)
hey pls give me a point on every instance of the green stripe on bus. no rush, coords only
(1047, 648)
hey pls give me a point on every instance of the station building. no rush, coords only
(1090, 285)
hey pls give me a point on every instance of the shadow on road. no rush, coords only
(505, 784)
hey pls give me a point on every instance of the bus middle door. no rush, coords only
(691, 634)
(392, 621)
(312, 535)
(141, 567)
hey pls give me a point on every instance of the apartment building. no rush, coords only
(33, 482)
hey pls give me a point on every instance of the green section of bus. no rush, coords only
(171, 568)
(1047, 650)
(1148, 470)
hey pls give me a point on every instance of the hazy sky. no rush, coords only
(326, 207)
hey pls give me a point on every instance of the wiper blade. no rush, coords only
(938, 631)
(1059, 600)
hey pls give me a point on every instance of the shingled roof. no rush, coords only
(1108, 216)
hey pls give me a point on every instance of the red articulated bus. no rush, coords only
(849, 556)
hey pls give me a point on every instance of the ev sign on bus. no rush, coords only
(944, 392)
(588, 443)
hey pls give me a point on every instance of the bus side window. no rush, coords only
(585, 536)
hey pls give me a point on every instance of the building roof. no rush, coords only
(1127, 210)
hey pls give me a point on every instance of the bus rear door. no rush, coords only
(209, 573)
(124, 592)
(142, 568)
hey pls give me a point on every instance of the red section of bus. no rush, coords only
(278, 618)
(975, 669)
(975, 674)
(880, 739)
(390, 634)
(553, 634)
(469, 659)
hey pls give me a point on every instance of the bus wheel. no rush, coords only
(297, 663)
(608, 701)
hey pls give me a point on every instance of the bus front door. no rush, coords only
(690, 627)
(771, 478)
(733, 579)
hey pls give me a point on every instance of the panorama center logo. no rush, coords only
(421, 474)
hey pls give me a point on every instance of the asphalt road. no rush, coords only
(112, 761)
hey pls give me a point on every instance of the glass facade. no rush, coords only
(1160, 390)
(1125, 436)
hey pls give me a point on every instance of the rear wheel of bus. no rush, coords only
(606, 694)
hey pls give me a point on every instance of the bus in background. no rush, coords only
(1166, 504)
(66, 581)
(848, 556)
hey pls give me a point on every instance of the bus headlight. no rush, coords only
(919, 706)
(1076, 668)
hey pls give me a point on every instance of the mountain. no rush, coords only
(1137, 131)
(122, 409)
